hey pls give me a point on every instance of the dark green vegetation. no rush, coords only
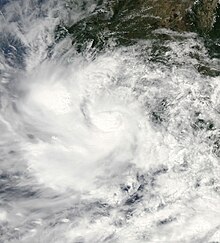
(127, 21)
(213, 40)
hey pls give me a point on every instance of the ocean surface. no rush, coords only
(118, 144)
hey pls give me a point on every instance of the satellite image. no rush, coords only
(109, 121)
